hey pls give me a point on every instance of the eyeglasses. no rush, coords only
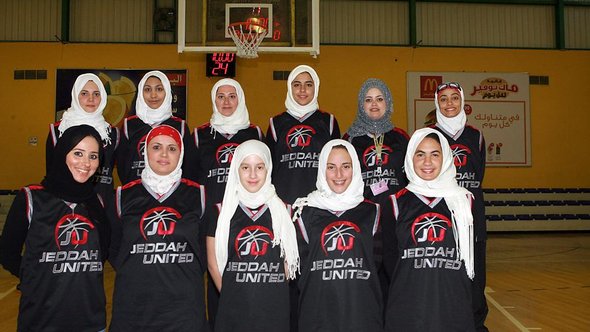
(443, 86)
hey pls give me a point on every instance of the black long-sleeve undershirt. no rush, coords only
(14, 235)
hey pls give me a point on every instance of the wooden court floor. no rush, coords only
(536, 282)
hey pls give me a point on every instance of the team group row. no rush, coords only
(368, 224)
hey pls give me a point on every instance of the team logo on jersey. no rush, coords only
(430, 227)
(299, 136)
(225, 153)
(253, 241)
(159, 221)
(460, 154)
(72, 229)
(339, 236)
(370, 156)
(141, 146)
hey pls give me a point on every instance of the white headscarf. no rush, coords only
(161, 184)
(454, 124)
(147, 114)
(76, 115)
(292, 106)
(323, 197)
(235, 193)
(445, 186)
(239, 119)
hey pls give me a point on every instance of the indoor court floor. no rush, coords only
(536, 282)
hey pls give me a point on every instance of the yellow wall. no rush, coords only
(560, 112)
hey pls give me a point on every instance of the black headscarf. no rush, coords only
(60, 182)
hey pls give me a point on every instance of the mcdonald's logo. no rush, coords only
(428, 85)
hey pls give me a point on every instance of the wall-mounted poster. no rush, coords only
(121, 86)
(496, 103)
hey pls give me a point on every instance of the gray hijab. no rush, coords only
(364, 125)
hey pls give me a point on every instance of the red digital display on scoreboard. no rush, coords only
(221, 65)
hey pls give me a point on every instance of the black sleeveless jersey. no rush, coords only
(61, 273)
(295, 145)
(469, 154)
(159, 260)
(213, 155)
(129, 154)
(430, 290)
(255, 293)
(103, 177)
(387, 168)
(339, 285)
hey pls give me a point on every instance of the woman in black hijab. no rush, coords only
(63, 228)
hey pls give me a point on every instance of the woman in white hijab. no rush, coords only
(296, 136)
(428, 242)
(469, 150)
(89, 99)
(157, 245)
(214, 144)
(153, 107)
(216, 141)
(339, 284)
(252, 247)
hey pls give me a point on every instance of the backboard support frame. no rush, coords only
(313, 50)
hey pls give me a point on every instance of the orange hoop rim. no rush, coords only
(246, 24)
(237, 27)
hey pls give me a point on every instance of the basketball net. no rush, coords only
(247, 37)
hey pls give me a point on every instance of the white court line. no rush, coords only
(3, 295)
(504, 311)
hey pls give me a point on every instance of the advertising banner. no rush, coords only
(121, 86)
(496, 103)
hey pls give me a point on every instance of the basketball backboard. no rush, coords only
(292, 25)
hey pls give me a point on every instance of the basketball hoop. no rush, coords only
(247, 37)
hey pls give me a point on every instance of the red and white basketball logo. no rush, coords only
(225, 153)
(430, 227)
(72, 229)
(253, 241)
(460, 154)
(141, 146)
(339, 236)
(159, 221)
(299, 136)
(370, 156)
